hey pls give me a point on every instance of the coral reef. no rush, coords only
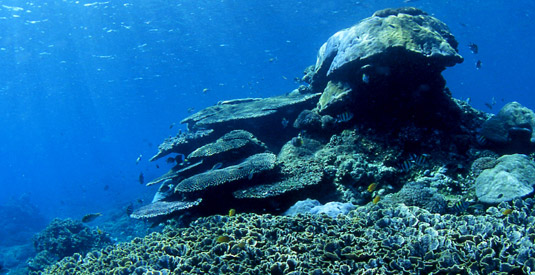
(376, 110)
(309, 206)
(62, 238)
(374, 239)
(376, 129)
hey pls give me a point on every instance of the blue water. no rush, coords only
(87, 87)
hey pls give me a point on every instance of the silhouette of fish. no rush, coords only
(141, 178)
(129, 209)
(473, 47)
(478, 64)
(90, 217)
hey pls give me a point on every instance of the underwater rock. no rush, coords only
(511, 128)
(162, 208)
(247, 169)
(308, 120)
(302, 207)
(512, 177)
(334, 96)
(385, 73)
(371, 46)
(233, 145)
(310, 206)
(183, 143)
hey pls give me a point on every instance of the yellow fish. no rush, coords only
(507, 211)
(372, 187)
(376, 199)
(232, 212)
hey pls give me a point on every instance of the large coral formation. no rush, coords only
(512, 128)
(64, 238)
(388, 37)
(513, 176)
(375, 239)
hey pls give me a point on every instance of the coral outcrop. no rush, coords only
(64, 238)
(513, 176)
(512, 129)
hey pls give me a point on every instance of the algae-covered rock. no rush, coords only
(512, 177)
(513, 127)
(389, 36)
(335, 95)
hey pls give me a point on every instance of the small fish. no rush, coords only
(232, 212)
(106, 187)
(372, 187)
(129, 209)
(419, 160)
(460, 207)
(376, 199)
(406, 165)
(507, 211)
(90, 217)
(481, 140)
(139, 158)
(488, 105)
(468, 100)
(141, 178)
(284, 122)
(217, 166)
(344, 117)
(191, 110)
(205, 90)
(250, 176)
(473, 47)
(297, 141)
(222, 239)
(140, 201)
(365, 78)
(172, 125)
(479, 64)
(157, 166)
(99, 231)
